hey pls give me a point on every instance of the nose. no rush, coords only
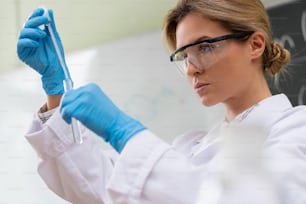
(192, 68)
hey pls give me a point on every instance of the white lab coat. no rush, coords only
(150, 171)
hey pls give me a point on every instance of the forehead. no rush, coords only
(194, 27)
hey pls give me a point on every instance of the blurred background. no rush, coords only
(117, 44)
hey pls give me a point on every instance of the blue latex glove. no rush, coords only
(35, 48)
(96, 111)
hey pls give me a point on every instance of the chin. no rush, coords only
(206, 101)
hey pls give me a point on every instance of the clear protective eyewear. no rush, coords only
(202, 54)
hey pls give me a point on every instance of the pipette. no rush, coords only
(68, 84)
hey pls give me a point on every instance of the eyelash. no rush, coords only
(205, 48)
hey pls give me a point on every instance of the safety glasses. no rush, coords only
(202, 54)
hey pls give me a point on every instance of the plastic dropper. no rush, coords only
(77, 138)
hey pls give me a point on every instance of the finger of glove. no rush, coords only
(26, 43)
(29, 39)
(63, 107)
(69, 105)
(36, 22)
(32, 33)
(75, 100)
(36, 12)
(52, 21)
(66, 114)
(68, 98)
(24, 46)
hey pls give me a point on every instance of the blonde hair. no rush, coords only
(236, 16)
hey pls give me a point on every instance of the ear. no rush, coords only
(257, 44)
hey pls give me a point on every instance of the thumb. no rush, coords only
(52, 21)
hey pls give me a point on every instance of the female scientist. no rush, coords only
(225, 49)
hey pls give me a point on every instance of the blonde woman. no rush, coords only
(224, 48)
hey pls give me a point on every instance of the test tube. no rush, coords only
(77, 138)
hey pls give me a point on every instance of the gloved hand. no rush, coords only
(35, 48)
(96, 111)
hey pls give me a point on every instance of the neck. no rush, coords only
(236, 105)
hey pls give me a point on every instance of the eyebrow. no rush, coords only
(196, 41)
(202, 38)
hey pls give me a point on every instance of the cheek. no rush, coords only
(229, 74)
(233, 66)
(226, 70)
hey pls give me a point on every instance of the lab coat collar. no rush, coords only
(263, 110)
(279, 102)
(259, 117)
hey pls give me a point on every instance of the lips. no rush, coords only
(199, 87)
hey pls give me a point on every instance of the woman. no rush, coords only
(225, 49)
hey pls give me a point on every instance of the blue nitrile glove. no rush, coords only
(96, 111)
(35, 48)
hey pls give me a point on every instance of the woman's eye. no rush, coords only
(205, 48)
(183, 56)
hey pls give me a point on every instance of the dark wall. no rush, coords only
(289, 27)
